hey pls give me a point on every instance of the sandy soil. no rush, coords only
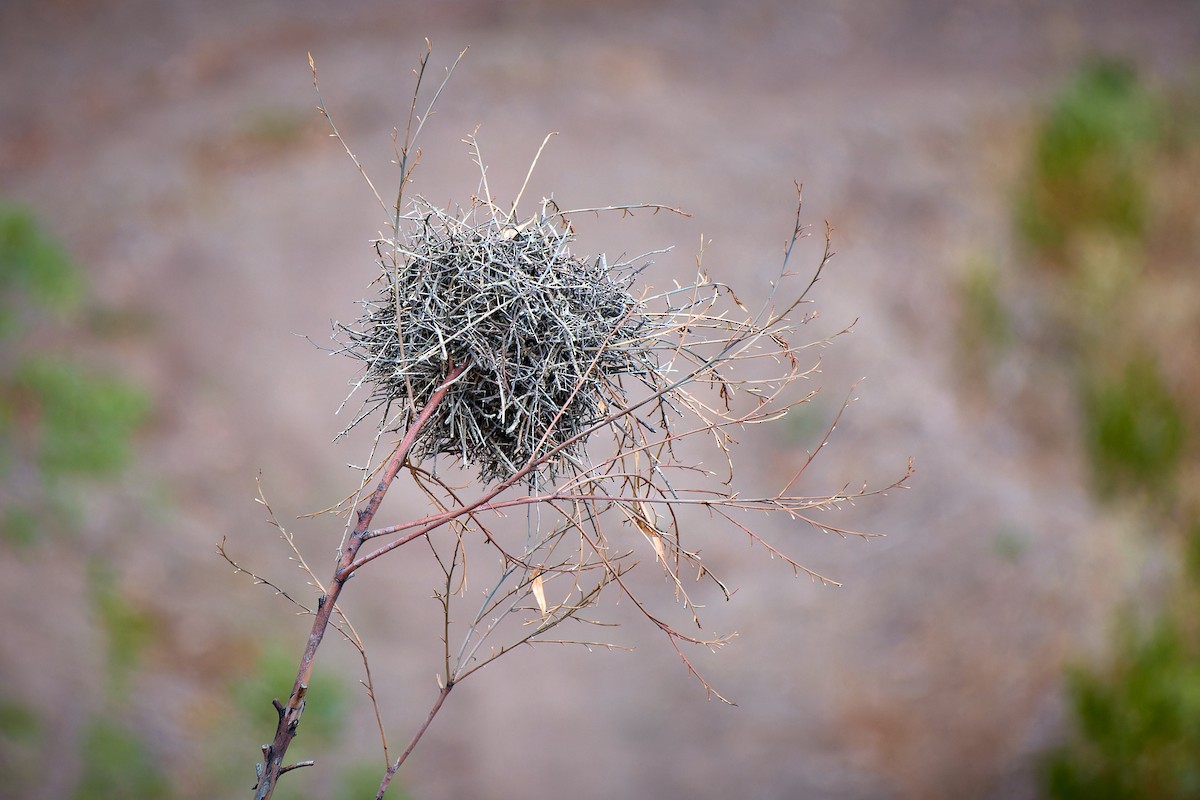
(174, 147)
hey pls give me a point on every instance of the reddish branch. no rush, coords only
(395, 767)
(289, 715)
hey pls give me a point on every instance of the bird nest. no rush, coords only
(546, 338)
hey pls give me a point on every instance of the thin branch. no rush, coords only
(512, 212)
(289, 716)
(394, 768)
(312, 65)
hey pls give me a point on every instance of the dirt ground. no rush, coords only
(175, 149)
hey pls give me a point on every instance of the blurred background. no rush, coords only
(1013, 191)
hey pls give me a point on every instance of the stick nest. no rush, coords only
(546, 337)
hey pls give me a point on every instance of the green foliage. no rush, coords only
(984, 327)
(1010, 543)
(986, 313)
(1105, 150)
(1138, 724)
(275, 127)
(19, 525)
(119, 765)
(60, 420)
(35, 271)
(18, 722)
(1135, 428)
(83, 422)
(21, 737)
(57, 418)
(1191, 554)
(1087, 168)
(1085, 211)
(128, 630)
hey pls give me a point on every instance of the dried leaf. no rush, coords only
(647, 522)
(539, 593)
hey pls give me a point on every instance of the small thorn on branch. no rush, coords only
(279, 709)
(297, 765)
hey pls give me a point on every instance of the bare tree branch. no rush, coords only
(576, 398)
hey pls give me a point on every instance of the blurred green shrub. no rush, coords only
(21, 739)
(1093, 214)
(1135, 429)
(1100, 157)
(119, 765)
(276, 127)
(60, 420)
(1087, 173)
(986, 320)
(57, 418)
(1138, 723)
(128, 628)
(36, 273)
(83, 422)
(984, 326)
